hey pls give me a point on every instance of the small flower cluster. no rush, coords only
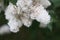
(25, 11)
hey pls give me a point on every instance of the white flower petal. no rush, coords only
(45, 3)
(14, 25)
(27, 22)
(10, 11)
(24, 4)
(41, 15)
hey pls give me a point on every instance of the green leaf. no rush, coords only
(53, 15)
(2, 19)
(50, 26)
(13, 1)
(56, 3)
(6, 2)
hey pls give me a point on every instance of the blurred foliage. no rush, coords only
(13, 1)
(52, 32)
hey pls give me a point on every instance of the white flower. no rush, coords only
(45, 3)
(10, 11)
(24, 4)
(24, 12)
(41, 15)
(27, 22)
(14, 25)
(11, 14)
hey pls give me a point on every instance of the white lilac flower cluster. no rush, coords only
(25, 11)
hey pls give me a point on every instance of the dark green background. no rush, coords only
(52, 32)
